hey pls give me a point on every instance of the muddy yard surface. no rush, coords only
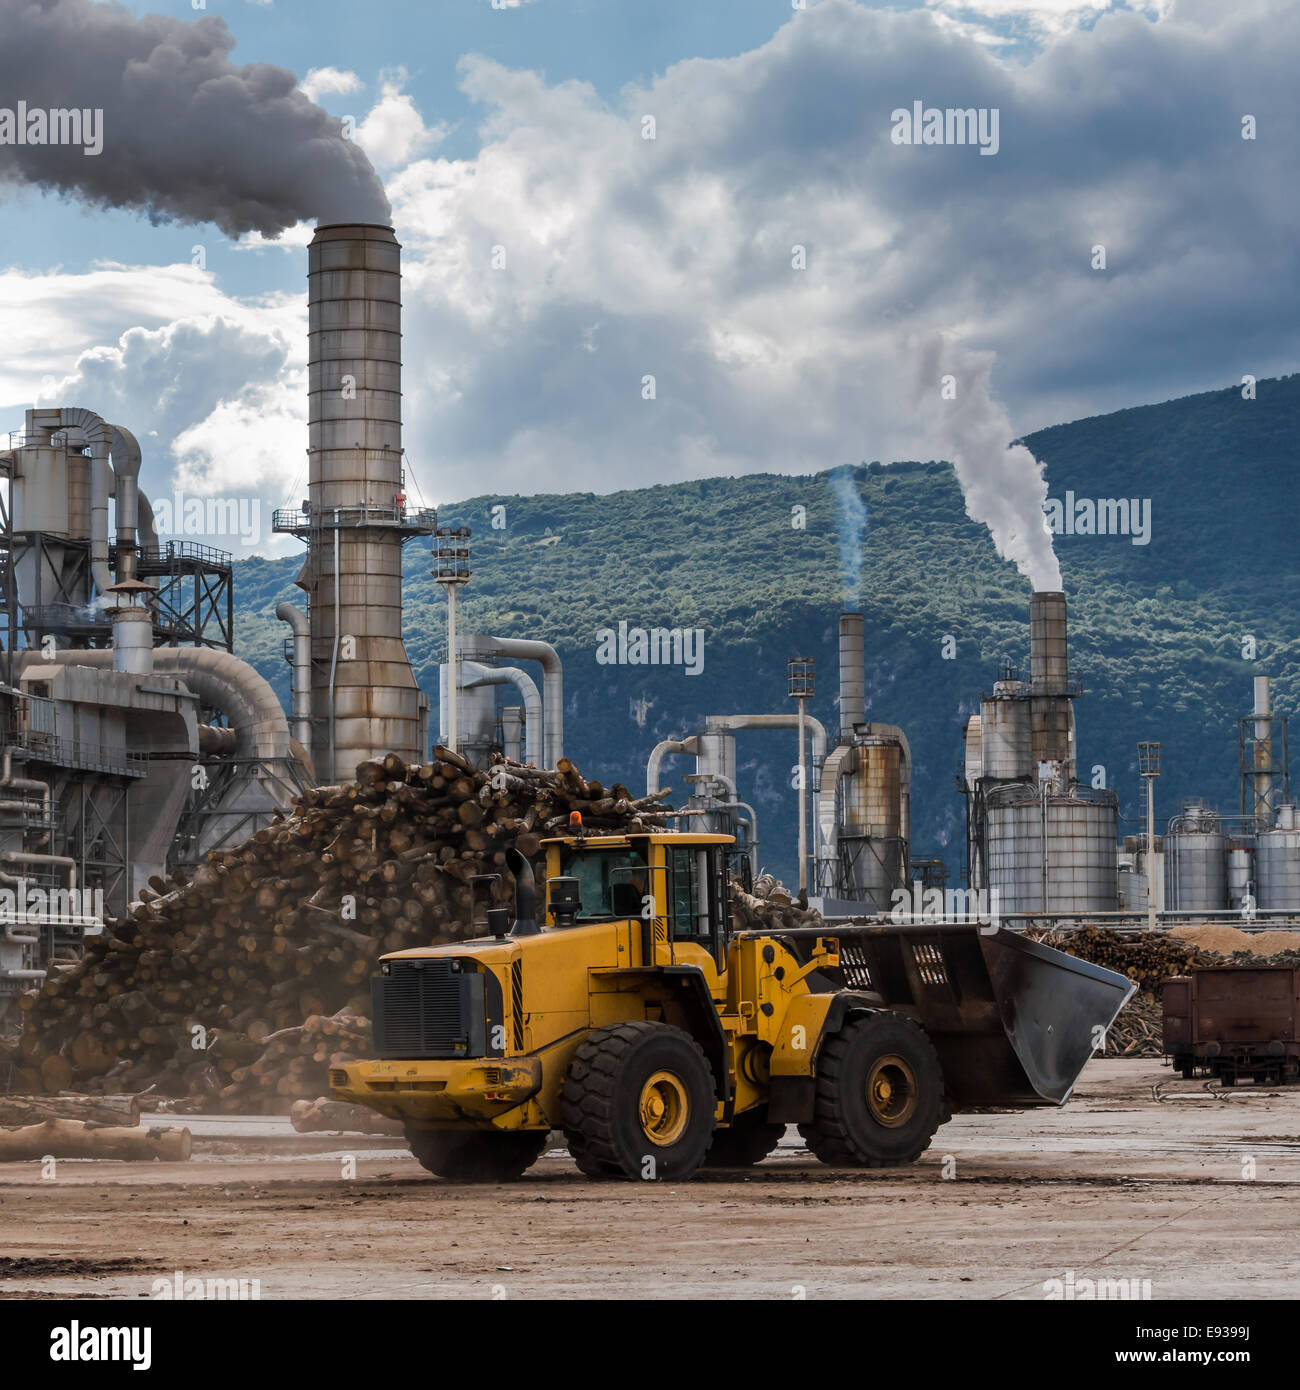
(1141, 1176)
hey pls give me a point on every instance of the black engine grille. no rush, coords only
(429, 1008)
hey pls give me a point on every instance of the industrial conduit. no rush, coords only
(300, 682)
(552, 686)
(474, 674)
(221, 681)
(126, 471)
(659, 752)
(24, 784)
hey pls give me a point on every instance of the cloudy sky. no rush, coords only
(787, 273)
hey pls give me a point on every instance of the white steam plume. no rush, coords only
(1003, 483)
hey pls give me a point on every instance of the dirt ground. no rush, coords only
(1141, 1176)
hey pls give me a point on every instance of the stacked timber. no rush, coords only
(243, 985)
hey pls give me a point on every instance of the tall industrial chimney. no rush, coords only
(364, 698)
(1049, 667)
(853, 692)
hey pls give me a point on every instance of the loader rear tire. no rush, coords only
(747, 1141)
(638, 1103)
(477, 1155)
(879, 1093)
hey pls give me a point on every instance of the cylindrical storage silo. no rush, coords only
(1277, 865)
(1241, 871)
(1196, 865)
(1080, 873)
(1005, 734)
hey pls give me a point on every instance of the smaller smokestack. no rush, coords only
(1049, 662)
(853, 690)
(1049, 666)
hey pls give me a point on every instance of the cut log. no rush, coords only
(76, 1139)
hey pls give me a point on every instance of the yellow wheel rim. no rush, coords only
(891, 1091)
(665, 1108)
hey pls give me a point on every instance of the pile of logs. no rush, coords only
(243, 985)
(769, 907)
(1145, 957)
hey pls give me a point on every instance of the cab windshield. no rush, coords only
(611, 882)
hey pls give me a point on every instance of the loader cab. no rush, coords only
(676, 886)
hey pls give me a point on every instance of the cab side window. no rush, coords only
(689, 904)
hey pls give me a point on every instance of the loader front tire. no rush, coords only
(879, 1093)
(476, 1155)
(638, 1103)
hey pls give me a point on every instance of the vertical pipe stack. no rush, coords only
(1049, 674)
(368, 700)
(1263, 774)
(853, 692)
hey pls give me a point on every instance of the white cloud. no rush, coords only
(321, 82)
(394, 132)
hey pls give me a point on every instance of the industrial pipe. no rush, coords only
(145, 530)
(662, 750)
(126, 472)
(717, 723)
(25, 784)
(853, 691)
(216, 741)
(300, 669)
(552, 686)
(475, 674)
(222, 682)
(22, 856)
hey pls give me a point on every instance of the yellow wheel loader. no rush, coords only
(628, 1014)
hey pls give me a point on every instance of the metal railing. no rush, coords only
(420, 519)
(76, 752)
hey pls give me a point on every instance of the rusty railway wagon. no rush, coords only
(1234, 1022)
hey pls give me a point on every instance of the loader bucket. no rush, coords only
(1014, 1022)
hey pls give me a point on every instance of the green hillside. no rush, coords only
(1157, 630)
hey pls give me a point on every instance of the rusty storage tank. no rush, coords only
(871, 821)
(1053, 854)
(1277, 864)
(1196, 862)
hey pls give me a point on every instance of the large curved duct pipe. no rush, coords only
(552, 686)
(474, 674)
(222, 682)
(126, 497)
(146, 531)
(300, 680)
(662, 750)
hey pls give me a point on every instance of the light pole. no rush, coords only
(1149, 767)
(451, 570)
(802, 674)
